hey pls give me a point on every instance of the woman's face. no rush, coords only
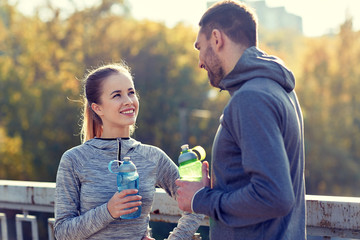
(119, 105)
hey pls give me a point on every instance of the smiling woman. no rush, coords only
(112, 101)
(87, 203)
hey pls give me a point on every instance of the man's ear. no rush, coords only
(96, 108)
(217, 39)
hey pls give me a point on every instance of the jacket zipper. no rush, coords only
(119, 152)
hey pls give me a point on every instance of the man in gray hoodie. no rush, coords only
(257, 186)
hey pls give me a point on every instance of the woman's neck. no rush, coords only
(115, 133)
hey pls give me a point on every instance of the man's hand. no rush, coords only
(187, 189)
(147, 238)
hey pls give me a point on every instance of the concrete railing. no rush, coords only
(327, 216)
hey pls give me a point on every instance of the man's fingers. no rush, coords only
(205, 174)
(147, 238)
(205, 169)
(179, 183)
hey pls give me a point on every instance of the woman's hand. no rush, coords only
(122, 200)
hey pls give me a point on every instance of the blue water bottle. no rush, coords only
(127, 178)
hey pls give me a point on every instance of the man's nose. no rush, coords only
(201, 64)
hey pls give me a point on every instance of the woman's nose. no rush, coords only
(128, 100)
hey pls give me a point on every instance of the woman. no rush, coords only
(85, 203)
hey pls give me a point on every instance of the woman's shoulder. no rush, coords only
(77, 149)
(151, 150)
(76, 153)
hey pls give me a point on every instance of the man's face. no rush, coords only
(209, 60)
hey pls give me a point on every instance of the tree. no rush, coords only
(42, 66)
(329, 87)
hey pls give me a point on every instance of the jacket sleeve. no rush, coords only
(255, 126)
(189, 222)
(69, 224)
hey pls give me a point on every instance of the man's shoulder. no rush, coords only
(259, 84)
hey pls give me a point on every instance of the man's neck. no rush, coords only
(232, 55)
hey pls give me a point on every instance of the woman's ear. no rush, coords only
(217, 39)
(96, 108)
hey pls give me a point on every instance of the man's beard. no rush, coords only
(213, 67)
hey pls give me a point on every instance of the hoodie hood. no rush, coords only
(255, 63)
(112, 145)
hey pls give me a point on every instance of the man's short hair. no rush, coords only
(235, 19)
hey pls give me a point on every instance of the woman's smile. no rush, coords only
(130, 111)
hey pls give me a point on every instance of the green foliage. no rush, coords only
(12, 157)
(330, 84)
(40, 68)
(38, 124)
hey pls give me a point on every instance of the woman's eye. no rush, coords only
(116, 95)
(131, 92)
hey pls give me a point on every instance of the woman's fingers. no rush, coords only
(125, 192)
(130, 204)
(127, 211)
(124, 202)
(127, 198)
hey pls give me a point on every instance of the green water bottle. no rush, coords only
(190, 163)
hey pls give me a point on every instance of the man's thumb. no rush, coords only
(205, 174)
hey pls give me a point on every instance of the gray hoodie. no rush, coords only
(84, 186)
(258, 188)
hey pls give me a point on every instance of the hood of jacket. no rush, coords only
(119, 145)
(255, 63)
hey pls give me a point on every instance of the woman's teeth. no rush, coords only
(128, 112)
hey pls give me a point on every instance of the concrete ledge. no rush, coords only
(333, 216)
(26, 193)
(326, 215)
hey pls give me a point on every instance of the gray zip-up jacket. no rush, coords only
(84, 186)
(258, 156)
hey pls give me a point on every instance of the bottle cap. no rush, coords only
(184, 147)
(186, 154)
(127, 166)
(200, 152)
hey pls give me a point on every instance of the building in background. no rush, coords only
(273, 18)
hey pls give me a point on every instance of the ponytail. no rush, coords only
(91, 127)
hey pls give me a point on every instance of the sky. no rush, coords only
(322, 16)
(319, 16)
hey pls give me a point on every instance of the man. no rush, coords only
(257, 183)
